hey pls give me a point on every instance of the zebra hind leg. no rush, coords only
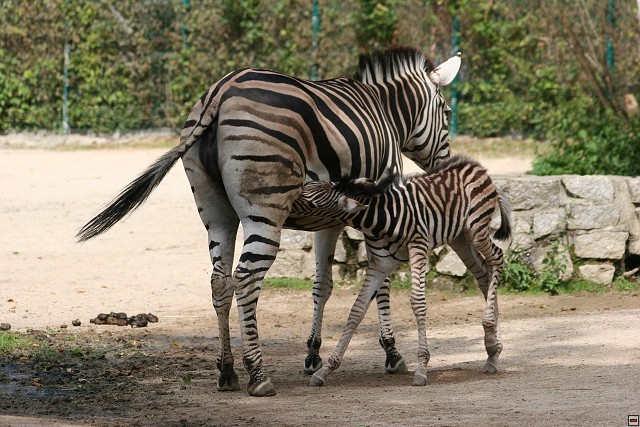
(494, 262)
(394, 363)
(221, 223)
(483, 273)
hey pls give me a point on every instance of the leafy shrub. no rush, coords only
(604, 144)
(516, 274)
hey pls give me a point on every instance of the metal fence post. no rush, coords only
(453, 126)
(65, 74)
(315, 30)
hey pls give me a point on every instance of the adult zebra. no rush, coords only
(402, 221)
(254, 138)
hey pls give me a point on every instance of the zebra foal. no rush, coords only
(404, 220)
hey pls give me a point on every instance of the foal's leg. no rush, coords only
(394, 363)
(493, 258)
(324, 245)
(419, 265)
(376, 274)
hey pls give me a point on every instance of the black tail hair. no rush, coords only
(132, 196)
(359, 187)
(504, 231)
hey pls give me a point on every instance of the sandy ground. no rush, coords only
(571, 360)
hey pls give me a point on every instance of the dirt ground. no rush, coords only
(568, 360)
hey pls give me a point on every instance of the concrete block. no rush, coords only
(588, 217)
(593, 187)
(598, 273)
(601, 244)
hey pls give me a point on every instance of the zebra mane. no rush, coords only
(395, 61)
(454, 161)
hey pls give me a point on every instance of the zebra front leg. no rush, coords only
(359, 308)
(419, 265)
(394, 363)
(324, 244)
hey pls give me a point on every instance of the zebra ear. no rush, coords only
(444, 73)
(350, 205)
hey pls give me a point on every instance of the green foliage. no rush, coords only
(553, 268)
(376, 24)
(624, 285)
(143, 64)
(288, 282)
(517, 275)
(593, 144)
(10, 342)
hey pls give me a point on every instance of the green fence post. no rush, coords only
(183, 28)
(611, 23)
(65, 74)
(453, 126)
(315, 30)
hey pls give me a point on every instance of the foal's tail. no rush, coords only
(504, 231)
(203, 116)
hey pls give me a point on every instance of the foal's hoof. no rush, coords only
(228, 381)
(419, 380)
(312, 363)
(395, 364)
(315, 380)
(261, 388)
(489, 368)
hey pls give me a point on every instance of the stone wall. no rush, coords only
(592, 220)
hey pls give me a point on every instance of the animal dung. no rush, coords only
(121, 319)
(7, 326)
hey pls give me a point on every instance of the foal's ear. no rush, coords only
(350, 205)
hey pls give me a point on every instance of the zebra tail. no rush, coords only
(131, 197)
(203, 116)
(503, 233)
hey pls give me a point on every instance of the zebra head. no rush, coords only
(346, 196)
(428, 144)
(408, 85)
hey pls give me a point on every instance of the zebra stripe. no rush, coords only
(453, 203)
(249, 144)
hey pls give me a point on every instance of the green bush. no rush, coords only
(593, 144)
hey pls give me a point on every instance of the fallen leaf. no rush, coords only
(543, 306)
(175, 344)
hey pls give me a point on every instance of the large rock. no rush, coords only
(450, 264)
(588, 217)
(531, 192)
(548, 222)
(601, 244)
(598, 273)
(540, 252)
(594, 187)
(634, 189)
(295, 239)
(294, 263)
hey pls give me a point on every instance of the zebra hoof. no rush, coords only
(395, 364)
(261, 388)
(419, 380)
(228, 381)
(489, 368)
(316, 381)
(312, 363)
